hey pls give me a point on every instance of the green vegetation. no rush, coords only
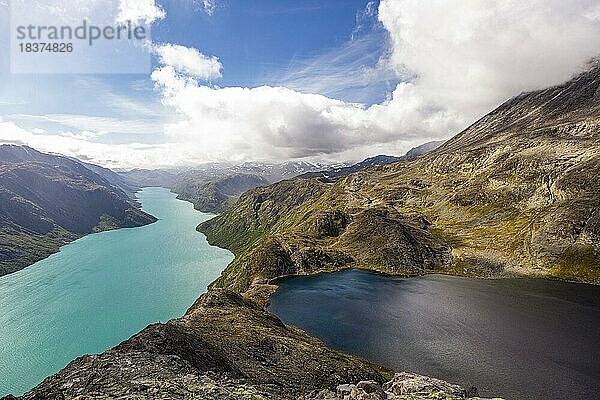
(212, 194)
(20, 249)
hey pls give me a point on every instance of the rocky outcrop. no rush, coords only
(224, 347)
(228, 347)
(48, 200)
(403, 386)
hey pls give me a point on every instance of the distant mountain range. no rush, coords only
(272, 172)
(334, 174)
(213, 194)
(48, 200)
(210, 187)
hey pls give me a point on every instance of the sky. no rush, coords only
(336, 80)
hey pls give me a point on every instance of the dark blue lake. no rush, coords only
(519, 339)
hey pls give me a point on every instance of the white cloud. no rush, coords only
(91, 123)
(463, 58)
(470, 55)
(458, 59)
(189, 61)
(209, 6)
(278, 123)
(79, 145)
(139, 11)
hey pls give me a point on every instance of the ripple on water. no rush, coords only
(521, 339)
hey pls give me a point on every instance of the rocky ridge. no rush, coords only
(403, 386)
(228, 347)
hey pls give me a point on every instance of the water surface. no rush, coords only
(101, 289)
(521, 339)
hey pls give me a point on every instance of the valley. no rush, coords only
(513, 196)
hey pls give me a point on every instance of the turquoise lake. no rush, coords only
(103, 288)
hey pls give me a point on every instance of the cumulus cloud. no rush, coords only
(470, 55)
(455, 61)
(189, 61)
(276, 122)
(458, 60)
(146, 11)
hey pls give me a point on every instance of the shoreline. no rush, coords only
(109, 260)
(262, 292)
(76, 237)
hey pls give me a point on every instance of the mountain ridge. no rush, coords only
(50, 200)
(330, 176)
(515, 194)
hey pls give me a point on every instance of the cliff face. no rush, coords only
(517, 193)
(227, 347)
(47, 201)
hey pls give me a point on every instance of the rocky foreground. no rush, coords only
(228, 347)
(402, 386)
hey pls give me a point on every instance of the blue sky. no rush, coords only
(257, 43)
(274, 80)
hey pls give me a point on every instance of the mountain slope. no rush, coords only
(48, 200)
(149, 177)
(212, 195)
(517, 193)
(210, 187)
(113, 178)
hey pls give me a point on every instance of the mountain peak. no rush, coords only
(571, 108)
